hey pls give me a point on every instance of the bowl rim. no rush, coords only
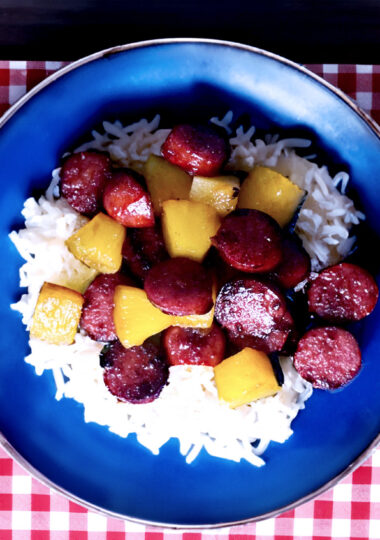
(170, 41)
(12, 452)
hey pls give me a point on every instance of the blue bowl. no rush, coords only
(181, 79)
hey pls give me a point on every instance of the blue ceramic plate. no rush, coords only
(181, 79)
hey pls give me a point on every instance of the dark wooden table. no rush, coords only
(314, 31)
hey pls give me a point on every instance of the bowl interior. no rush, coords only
(183, 81)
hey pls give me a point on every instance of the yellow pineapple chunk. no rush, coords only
(269, 191)
(197, 321)
(98, 244)
(187, 227)
(220, 192)
(165, 181)
(57, 313)
(81, 280)
(135, 318)
(245, 377)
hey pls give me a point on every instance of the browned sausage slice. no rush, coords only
(194, 346)
(273, 341)
(143, 248)
(97, 313)
(344, 292)
(83, 178)
(295, 265)
(255, 312)
(199, 150)
(222, 271)
(126, 201)
(179, 286)
(135, 375)
(327, 357)
(249, 240)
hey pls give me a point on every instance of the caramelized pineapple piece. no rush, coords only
(98, 244)
(165, 181)
(135, 318)
(220, 192)
(269, 191)
(245, 377)
(57, 313)
(187, 227)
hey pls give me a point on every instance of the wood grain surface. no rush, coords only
(313, 31)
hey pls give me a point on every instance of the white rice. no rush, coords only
(188, 408)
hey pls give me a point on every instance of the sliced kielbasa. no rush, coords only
(135, 375)
(222, 271)
(295, 264)
(253, 311)
(83, 179)
(274, 341)
(194, 346)
(327, 357)
(249, 240)
(344, 292)
(126, 201)
(179, 286)
(199, 150)
(143, 248)
(97, 312)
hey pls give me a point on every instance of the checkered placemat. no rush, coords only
(360, 82)
(349, 511)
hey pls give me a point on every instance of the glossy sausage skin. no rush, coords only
(83, 178)
(143, 248)
(194, 346)
(135, 375)
(126, 201)
(249, 240)
(254, 313)
(222, 271)
(179, 286)
(97, 312)
(274, 341)
(295, 264)
(342, 293)
(199, 150)
(328, 357)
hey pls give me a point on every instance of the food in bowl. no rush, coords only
(67, 247)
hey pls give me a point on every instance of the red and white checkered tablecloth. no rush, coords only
(350, 511)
